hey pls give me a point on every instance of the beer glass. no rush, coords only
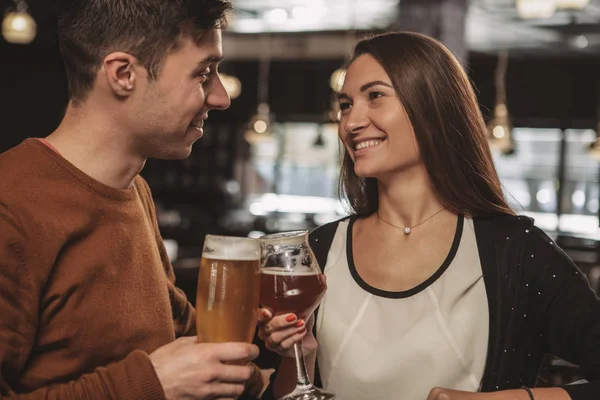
(292, 282)
(228, 289)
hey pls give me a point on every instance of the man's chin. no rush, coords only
(194, 131)
(174, 153)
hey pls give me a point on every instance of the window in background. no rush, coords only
(580, 189)
(295, 171)
(529, 176)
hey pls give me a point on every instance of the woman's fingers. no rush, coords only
(264, 315)
(290, 341)
(281, 332)
(281, 335)
(281, 322)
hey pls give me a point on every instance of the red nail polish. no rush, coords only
(290, 318)
(299, 324)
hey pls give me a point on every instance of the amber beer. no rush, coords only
(286, 292)
(228, 290)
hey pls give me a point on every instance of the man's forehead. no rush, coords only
(211, 41)
(209, 49)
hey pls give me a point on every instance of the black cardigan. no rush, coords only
(539, 303)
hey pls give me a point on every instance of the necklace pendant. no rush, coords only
(407, 230)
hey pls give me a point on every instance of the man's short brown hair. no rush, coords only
(89, 30)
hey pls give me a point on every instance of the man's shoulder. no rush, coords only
(19, 162)
(18, 152)
(28, 178)
(17, 168)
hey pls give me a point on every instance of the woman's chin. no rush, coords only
(365, 172)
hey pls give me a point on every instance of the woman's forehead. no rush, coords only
(362, 70)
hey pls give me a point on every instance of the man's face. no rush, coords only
(170, 111)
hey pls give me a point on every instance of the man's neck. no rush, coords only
(92, 143)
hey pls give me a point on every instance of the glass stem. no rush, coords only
(303, 380)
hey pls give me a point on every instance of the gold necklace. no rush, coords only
(408, 229)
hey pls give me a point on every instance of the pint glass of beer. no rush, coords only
(228, 289)
(292, 282)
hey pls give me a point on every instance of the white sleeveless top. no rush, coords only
(376, 344)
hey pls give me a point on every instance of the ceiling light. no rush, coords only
(572, 4)
(300, 12)
(277, 16)
(232, 85)
(534, 9)
(336, 81)
(260, 125)
(499, 127)
(19, 27)
(581, 42)
(500, 130)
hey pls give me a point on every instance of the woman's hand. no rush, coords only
(280, 333)
(449, 394)
(513, 394)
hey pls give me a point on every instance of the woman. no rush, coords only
(436, 290)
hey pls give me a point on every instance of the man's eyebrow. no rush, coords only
(212, 59)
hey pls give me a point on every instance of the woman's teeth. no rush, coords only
(369, 143)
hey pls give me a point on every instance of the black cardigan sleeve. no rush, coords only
(539, 303)
(571, 310)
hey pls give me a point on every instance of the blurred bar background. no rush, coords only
(270, 162)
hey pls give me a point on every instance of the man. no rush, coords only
(88, 307)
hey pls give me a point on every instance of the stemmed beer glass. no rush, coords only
(292, 282)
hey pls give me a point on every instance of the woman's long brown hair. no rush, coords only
(449, 128)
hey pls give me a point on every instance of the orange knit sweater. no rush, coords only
(86, 288)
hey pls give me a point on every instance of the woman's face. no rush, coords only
(374, 126)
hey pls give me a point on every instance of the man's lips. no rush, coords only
(196, 126)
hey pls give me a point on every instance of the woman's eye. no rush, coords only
(375, 95)
(344, 106)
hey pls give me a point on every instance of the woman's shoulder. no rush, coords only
(508, 226)
(327, 231)
(518, 235)
(321, 238)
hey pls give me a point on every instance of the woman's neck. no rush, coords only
(408, 198)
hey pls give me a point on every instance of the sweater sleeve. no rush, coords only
(184, 314)
(20, 290)
(130, 379)
(572, 313)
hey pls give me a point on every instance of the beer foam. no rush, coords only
(231, 248)
(283, 238)
(287, 272)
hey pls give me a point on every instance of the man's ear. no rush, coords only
(122, 72)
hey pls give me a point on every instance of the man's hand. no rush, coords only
(190, 370)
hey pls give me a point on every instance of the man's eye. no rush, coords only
(205, 75)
